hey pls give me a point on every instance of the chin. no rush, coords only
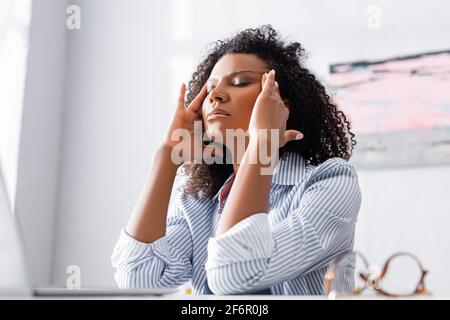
(213, 131)
(216, 129)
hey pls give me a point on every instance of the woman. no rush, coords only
(232, 229)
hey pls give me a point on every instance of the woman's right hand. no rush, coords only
(183, 121)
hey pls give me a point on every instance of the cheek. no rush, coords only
(204, 112)
(246, 101)
(203, 115)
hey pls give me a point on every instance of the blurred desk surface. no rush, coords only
(178, 296)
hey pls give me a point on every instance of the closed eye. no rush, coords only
(242, 84)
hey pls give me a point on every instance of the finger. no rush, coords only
(274, 84)
(277, 88)
(263, 80)
(196, 104)
(195, 107)
(290, 135)
(182, 92)
(268, 85)
(277, 92)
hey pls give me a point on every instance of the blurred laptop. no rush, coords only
(14, 279)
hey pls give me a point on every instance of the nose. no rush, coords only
(217, 96)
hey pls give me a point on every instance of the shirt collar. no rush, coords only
(289, 170)
(223, 186)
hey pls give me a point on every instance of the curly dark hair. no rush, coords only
(326, 129)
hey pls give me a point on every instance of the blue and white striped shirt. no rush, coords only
(311, 219)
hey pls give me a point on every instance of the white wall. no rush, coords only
(407, 210)
(123, 69)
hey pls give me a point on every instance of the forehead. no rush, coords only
(237, 61)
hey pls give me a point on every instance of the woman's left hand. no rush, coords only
(270, 112)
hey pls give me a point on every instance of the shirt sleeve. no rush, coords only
(253, 255)
(165, 262)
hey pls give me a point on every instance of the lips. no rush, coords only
(218, 112)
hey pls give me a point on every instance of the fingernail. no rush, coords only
(276, 84)
(299, 136)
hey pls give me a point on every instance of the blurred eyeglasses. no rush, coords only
(402, 275)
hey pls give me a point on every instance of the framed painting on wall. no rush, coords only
(399, 109)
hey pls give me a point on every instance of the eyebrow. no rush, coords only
(238, 72)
